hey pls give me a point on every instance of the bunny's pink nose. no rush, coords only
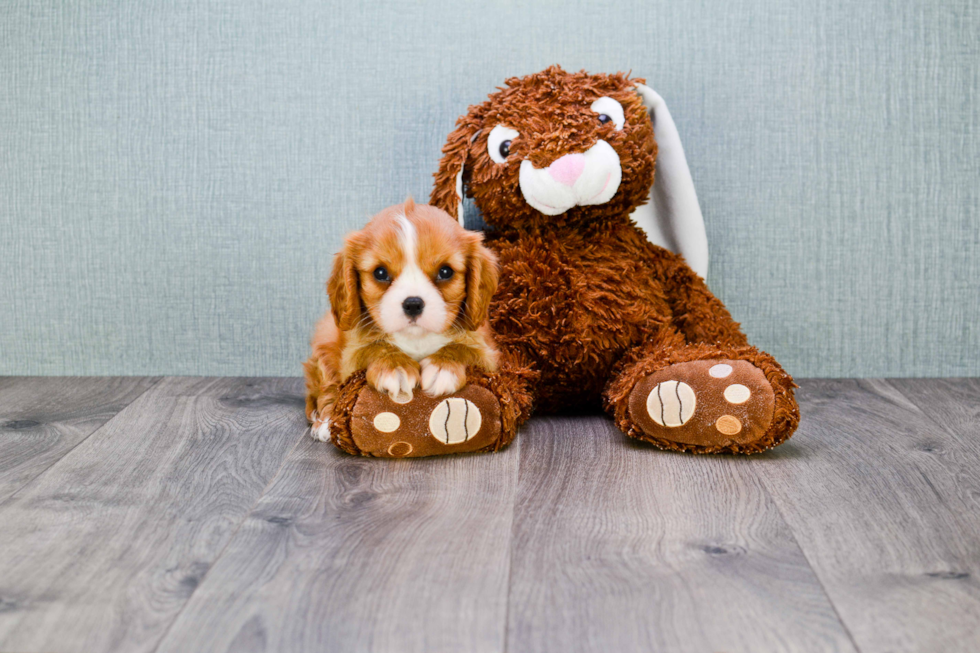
(567, 169)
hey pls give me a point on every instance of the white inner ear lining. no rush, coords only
(672, 218)
(459, 183)
(459, 193)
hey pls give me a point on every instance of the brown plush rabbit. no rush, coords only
(589, 312)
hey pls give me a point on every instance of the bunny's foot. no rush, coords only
(741, 402)
(482, 416)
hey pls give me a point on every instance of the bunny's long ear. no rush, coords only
(672, 218)
(447, 192)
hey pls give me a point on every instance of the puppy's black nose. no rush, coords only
(413, 306)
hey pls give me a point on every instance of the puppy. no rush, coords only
(409, 296)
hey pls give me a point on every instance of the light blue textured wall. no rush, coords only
(175, 175)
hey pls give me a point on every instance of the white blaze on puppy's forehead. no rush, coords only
(411, 281)
(408, 240)
(411, 272)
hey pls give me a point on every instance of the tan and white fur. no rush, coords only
(409, 296)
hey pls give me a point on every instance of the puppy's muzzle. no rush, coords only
(413, 306)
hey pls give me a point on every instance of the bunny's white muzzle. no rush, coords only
(573, 180)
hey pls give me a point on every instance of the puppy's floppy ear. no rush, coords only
(672, 218)
(481, 282)
(447, 192)
(344, 290)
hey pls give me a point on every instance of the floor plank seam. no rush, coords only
(67, 453)
(816, 575)
(231, 538)
(510, 548)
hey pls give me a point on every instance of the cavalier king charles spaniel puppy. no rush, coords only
(409, 296)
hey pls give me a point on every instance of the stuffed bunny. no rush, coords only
(592, 212)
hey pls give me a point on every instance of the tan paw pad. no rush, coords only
(728, 425)
(737, 394)
(387, 422)
(455, 420)
(399, 449)
(720, 371)
(671, 403)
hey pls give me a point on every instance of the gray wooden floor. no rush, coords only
(189, 514)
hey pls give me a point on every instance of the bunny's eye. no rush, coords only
(609, 110)
(499, 142)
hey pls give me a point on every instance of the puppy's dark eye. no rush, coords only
(446, 272)
(505, 149)
(603, 118)
(381, 274)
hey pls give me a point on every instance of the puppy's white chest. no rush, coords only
(419, 347)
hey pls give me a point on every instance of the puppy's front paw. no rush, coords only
(319, 428)
(442, 377)
(397, 382)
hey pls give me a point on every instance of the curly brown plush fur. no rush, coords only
(586, 305)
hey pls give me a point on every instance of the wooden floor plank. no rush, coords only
(886, 506)
(102, 551)
(146, 531)
(621, 547)
(43, 418)
(953, 404)
(356, 554)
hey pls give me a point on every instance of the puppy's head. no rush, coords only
(413, 270)
(570, 146)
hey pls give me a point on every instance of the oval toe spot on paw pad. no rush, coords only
(387, 422)
(402, 398)
(737, 394)
(728, 425)
(399, 449)
(671, 403)
(455, 420)
(720, 371)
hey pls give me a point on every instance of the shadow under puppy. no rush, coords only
(409, 296)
